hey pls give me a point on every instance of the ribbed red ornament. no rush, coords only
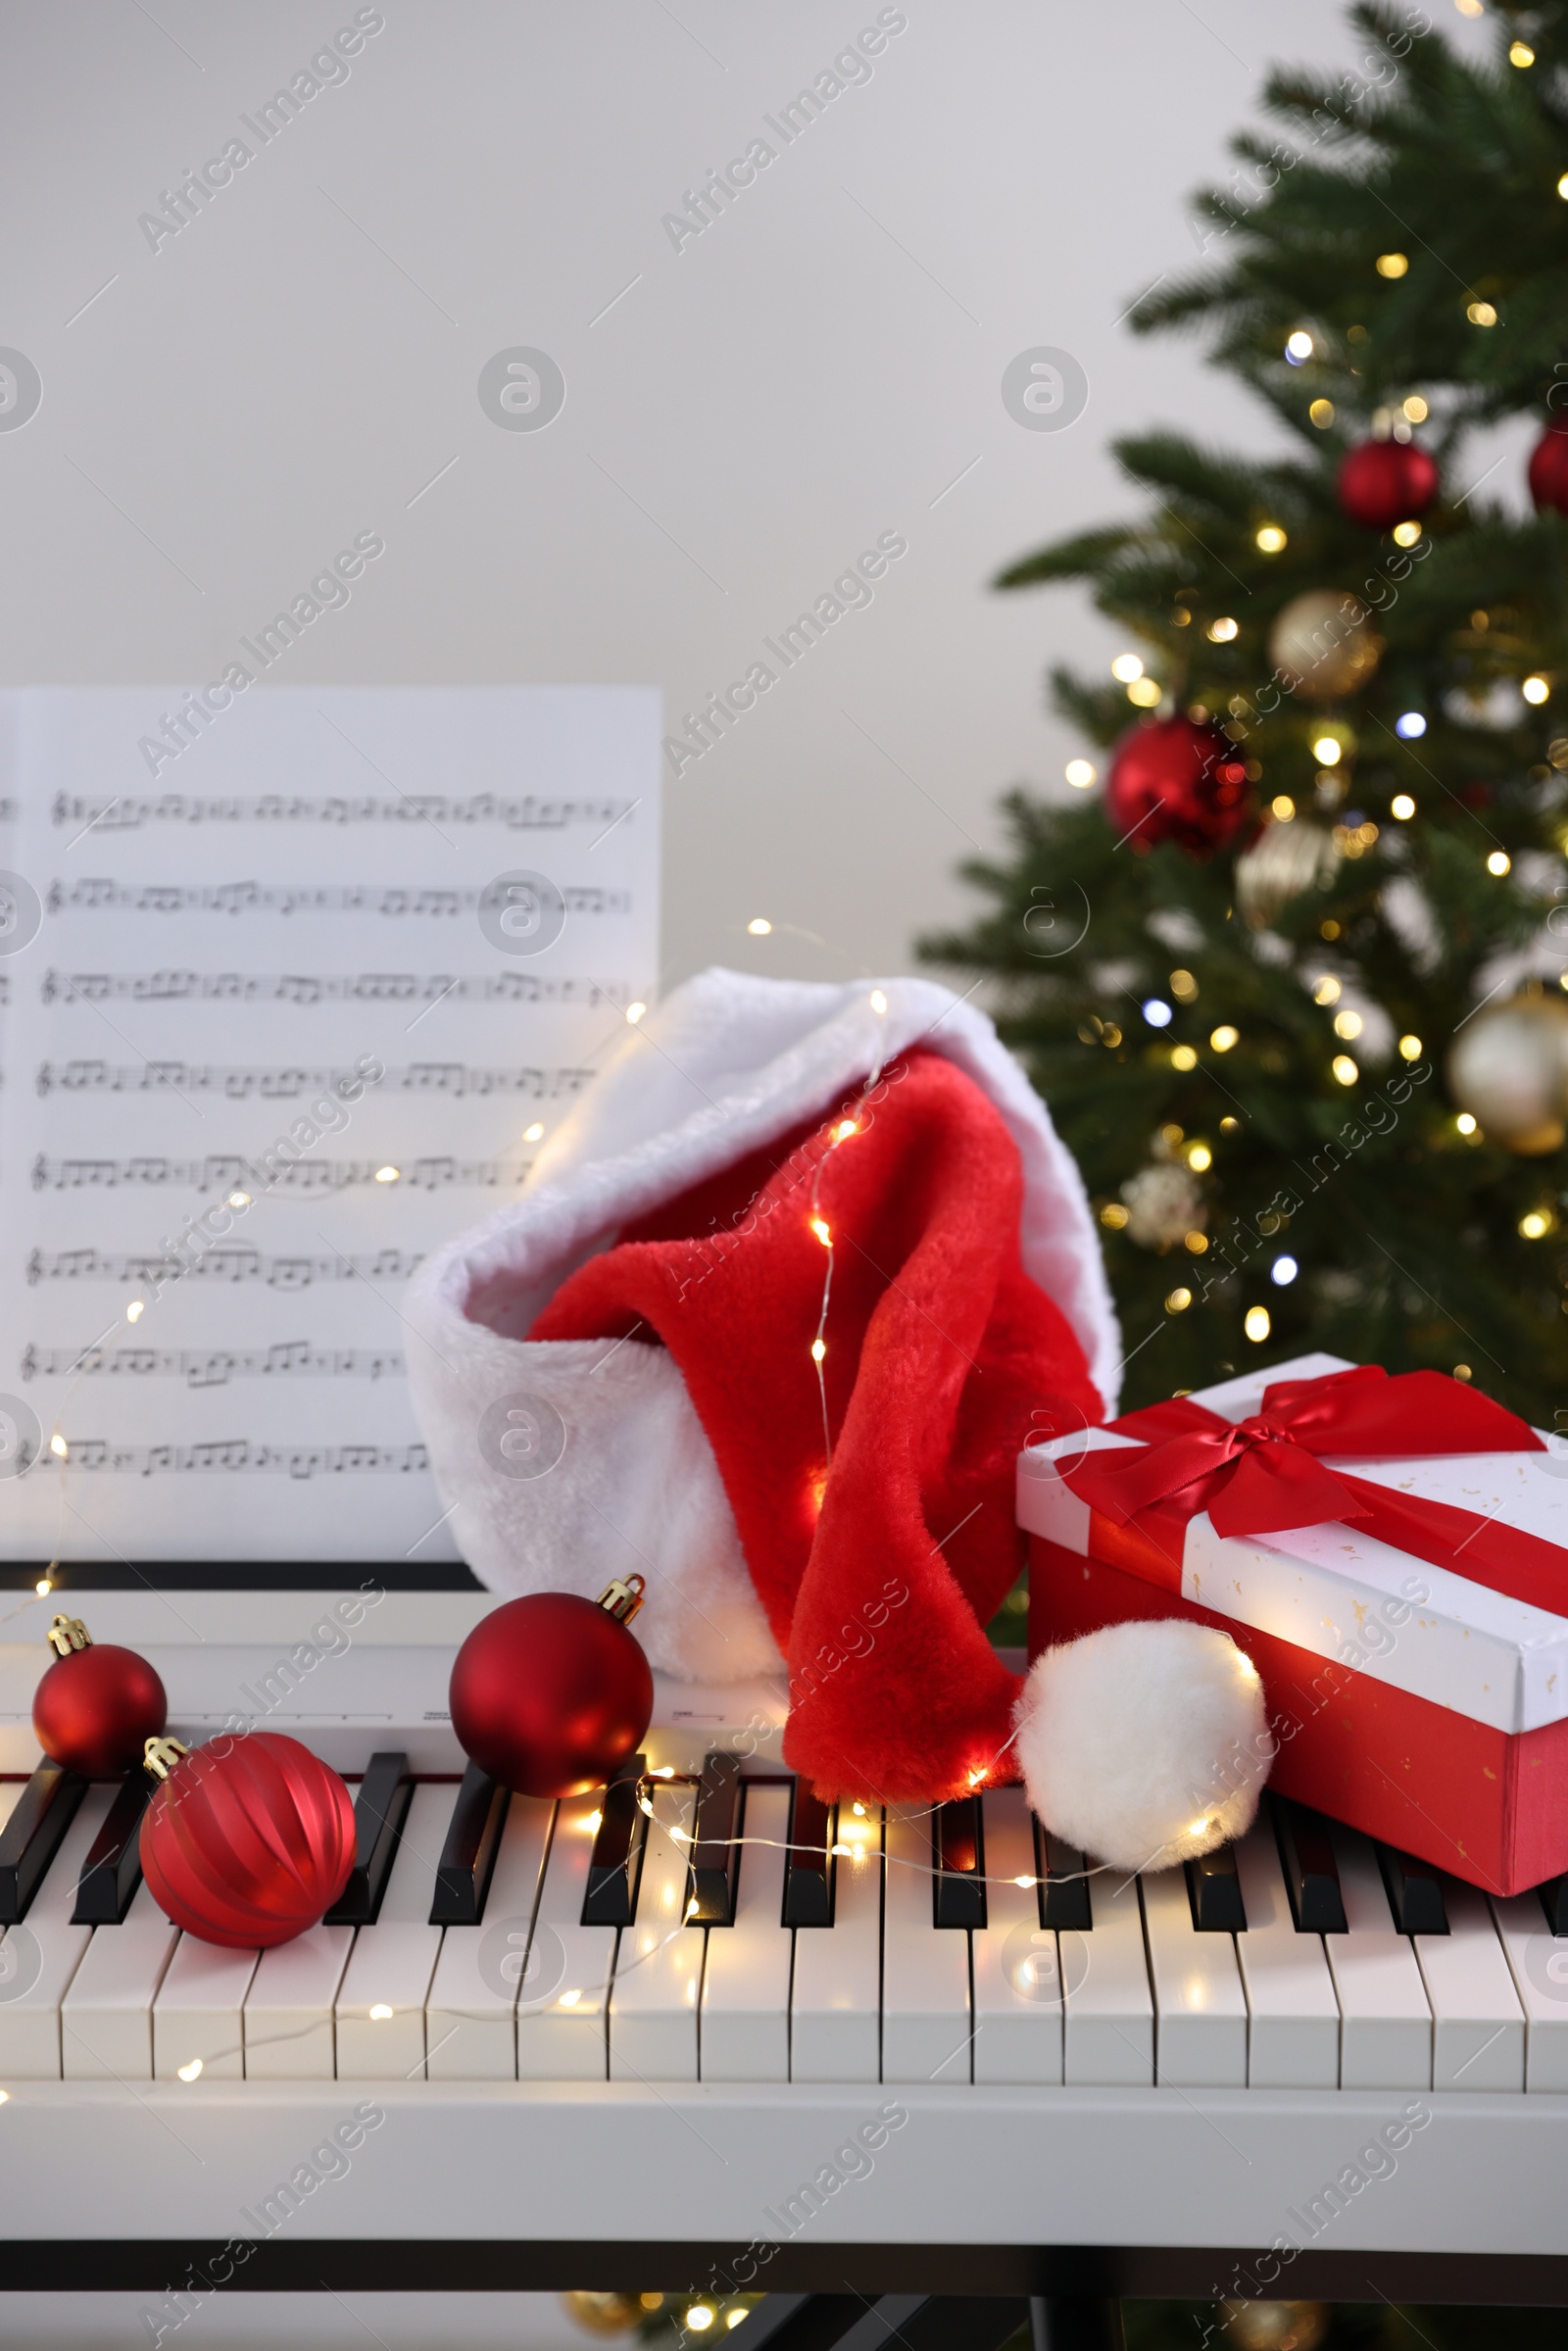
(1548, 470)
(95, 1709)
(550, 1693)
(248, 1840)
(1384, 482)
(1173, 780)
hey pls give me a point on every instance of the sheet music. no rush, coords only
(294, 1009)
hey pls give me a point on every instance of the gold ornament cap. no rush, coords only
(160, 1756)
(67, 1633)
(621, 1601)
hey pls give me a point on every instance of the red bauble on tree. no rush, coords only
(248, 1840)
(97, 1705)
(1384, 482)
(1173, 780)
(551, 1691)
(1548, 470)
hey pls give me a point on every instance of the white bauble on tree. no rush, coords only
(1144, 1743)
(1324, 645)
(1509, 1068)
(1164, 1205)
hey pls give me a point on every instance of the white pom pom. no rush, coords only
(1144, 1743)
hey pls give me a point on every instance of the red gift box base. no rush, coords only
(1491, 1807)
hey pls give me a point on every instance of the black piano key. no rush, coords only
(809, 1866)
(958, 1852)
(1555, 1902)
(716, 1852)
(379, 1811)
(1311, 1872)
(462, 1875)
(1063, 1889)
(616, 1866)
(1216, 1892)
(1415, 1892)
(112, 1871)
(44, 1812)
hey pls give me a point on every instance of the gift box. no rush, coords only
(1392, 1556)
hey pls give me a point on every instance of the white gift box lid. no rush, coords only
(1342, 1594)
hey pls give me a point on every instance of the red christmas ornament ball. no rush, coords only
(1173, 780)
(95, 1709)
(550, 1693)
(1548, 470)
(1384, 482)
(248, 1842)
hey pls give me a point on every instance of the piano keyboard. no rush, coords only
(729, 1930)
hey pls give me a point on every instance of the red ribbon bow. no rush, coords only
(1261, 1475)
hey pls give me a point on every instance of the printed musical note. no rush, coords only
(239, 1455)
(227, 1172)
(213, 1367)
(331, 988)
(129, 813)
(221, 1264)
(98, 895)
(450, 1078)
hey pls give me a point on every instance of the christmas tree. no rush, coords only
(1287, 968)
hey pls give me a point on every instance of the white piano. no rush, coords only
(526, 2059)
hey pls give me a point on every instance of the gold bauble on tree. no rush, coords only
(1509, 1068)
(1324, 645)
(1275, 2325)
(1283, 861)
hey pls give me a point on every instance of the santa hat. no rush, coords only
(785, 1296)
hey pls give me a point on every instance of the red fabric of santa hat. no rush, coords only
(864, 1350)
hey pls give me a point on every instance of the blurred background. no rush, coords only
(745, 408)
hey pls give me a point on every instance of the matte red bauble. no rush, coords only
(551, 1691)
(1171, 780)
(248, 1840)
(1384, 482)
(97, 1705)
(1548, 470)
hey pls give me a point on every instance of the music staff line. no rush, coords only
(229, 1172)
(213, 1367)
(219, 1266)
(286, 1084)
(236, 1455)
(98, 894)
(129, 813)
(304, 989)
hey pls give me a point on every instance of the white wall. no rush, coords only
(815, 368)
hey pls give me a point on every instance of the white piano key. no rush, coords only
(835, 1998)
(1017, 1976)
(1478, 2027)
(745, 2017)
(288, 2010)
(106, 2019)
(39, 1956)
(198, 2011)
(1200, 2009)
(1108, 2035)
(1293, 2017)
(1385, 2015)
(564, 1991)
(471, 2015)
(925, 1968)
(1539, 1961)
(658, 1960)
(379, 2012)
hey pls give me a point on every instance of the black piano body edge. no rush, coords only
(1128, 2273)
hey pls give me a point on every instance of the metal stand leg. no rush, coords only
(1058, 2322)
